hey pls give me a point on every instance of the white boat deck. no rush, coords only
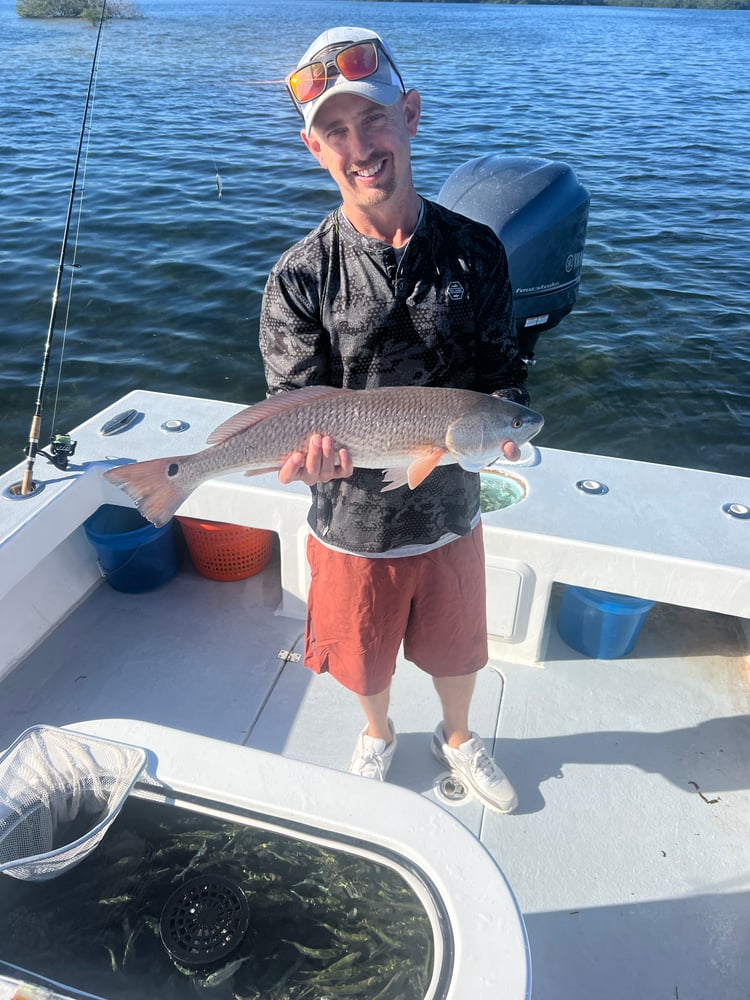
(629, 852)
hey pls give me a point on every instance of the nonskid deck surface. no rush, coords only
(628, 853)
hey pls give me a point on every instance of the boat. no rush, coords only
(616, 698)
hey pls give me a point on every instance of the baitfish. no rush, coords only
(221, 975)
(405, 430)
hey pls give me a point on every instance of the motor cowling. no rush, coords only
(539, 211)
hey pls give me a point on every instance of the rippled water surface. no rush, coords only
(650, 108)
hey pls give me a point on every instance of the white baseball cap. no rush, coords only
(382, 84)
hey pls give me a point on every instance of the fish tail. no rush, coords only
(156, 487)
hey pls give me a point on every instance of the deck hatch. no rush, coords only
(320, 915)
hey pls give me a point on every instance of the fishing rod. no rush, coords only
(62, 447)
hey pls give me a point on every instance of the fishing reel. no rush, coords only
(62, 448)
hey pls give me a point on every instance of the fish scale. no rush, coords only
(405, 430)
(372, 424)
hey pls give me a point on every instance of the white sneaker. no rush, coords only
(477, 769)
(372, 757)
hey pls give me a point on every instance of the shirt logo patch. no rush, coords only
(455, 291)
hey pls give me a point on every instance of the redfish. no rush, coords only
(405, 430)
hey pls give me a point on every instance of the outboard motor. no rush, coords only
(540, 212)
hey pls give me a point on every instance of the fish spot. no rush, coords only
(173, 469)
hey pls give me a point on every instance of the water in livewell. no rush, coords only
(322, 922)
(649, 106)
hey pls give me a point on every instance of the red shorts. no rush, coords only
(359, 610)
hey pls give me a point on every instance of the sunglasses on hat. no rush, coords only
(354, 62)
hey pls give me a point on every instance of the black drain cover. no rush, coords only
(204, 920)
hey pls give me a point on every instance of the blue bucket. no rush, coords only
(133, 555)
(601, 625)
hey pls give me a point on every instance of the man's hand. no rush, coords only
(321, 464)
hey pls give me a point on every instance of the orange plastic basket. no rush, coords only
(226, 551)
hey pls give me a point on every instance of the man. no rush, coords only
(390, 289)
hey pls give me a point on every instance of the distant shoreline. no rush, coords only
(656, 4)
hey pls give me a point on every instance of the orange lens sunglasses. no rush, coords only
(355, 62)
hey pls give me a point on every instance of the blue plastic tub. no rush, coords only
(601, 625)
(133, 555)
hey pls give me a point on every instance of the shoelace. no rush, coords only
(484, 765)
(374, 762)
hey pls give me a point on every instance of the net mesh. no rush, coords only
(59, 793)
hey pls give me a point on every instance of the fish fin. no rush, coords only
(394, 479)
(152, 486)
(282, 402)
(260, 472)
(421, 467)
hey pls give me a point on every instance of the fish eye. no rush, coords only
(517, 422)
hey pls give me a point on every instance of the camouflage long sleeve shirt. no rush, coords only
(342, 309)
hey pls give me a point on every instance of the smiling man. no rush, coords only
(365, 147)
(390, 289)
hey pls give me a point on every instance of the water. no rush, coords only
(323, 922)
(499, 490)
(650, 108)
